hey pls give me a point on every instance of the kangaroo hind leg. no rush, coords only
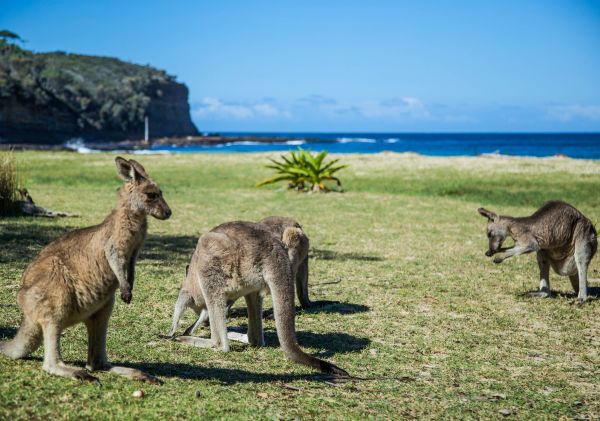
(584, 251)
(97, 327)
(53, 362)
(255, 313)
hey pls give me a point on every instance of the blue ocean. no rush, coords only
(574, 145)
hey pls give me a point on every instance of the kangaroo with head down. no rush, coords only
(245, 259)
(191, 296)
(74, 279)
(562, 237)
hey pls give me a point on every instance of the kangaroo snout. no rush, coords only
(162, 214)
(489, 253)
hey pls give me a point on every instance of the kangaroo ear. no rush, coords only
(140, 171)
(491, 216)
(124, 169)
(130, 170)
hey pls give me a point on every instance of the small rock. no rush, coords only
(373, 351)
(138, 394)
(198, 394)
(505, 412)
(262, 395)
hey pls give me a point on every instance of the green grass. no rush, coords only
(441, 331)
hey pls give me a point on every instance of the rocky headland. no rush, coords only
(49, 98)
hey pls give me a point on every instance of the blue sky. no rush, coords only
(382, 66)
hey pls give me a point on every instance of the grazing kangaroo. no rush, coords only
(74, 279)
(190, 294)
(245, 259)
(298, 256)
(562, 237)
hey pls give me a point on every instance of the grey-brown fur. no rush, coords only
(245, 259)
(190, 294)
(74, 279)
(28, 207)
(562, 237)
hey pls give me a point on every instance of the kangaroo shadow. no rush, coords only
(225, 376)
(329, 343)
(334, 255)
(7, 333)
(168, 247)
(21, 242)
(320, 306)
(593, 294)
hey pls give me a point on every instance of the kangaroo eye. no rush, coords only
(152, 196)
(489, 234)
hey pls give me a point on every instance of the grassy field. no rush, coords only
(438, 330)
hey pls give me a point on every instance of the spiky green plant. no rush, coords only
(10, 182)
(304, 171)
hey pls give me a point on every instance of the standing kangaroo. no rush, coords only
(562, 237)
(245, 259)
(74, 279)
(190, 294)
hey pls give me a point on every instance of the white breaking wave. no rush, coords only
(392, 140)
(78, 145)
(244, 143)
(355, 139)
(492, 154)
(254, 143)
(149, 152)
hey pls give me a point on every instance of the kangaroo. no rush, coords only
(28, 207)
(562, 237)
(298, 256)
(190, 294)
(245, 259)
(74, 279)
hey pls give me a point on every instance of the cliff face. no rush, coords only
(50, 98)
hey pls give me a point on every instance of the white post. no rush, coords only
(146, 130)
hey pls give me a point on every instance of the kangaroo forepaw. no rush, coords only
(167, 337)
(126, 296)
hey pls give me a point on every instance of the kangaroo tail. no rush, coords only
(283, 309)
(27, 340)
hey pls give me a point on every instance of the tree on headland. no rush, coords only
(7, 35)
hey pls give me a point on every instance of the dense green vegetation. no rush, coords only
(104, 92)
(42, 94)
(304, 171)
(11, 179)
(436, 327)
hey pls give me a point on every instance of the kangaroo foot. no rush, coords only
(540, 294)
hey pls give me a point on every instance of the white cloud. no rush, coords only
(567, 113)
(393, 109)
(216, 107)
(405, 108)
